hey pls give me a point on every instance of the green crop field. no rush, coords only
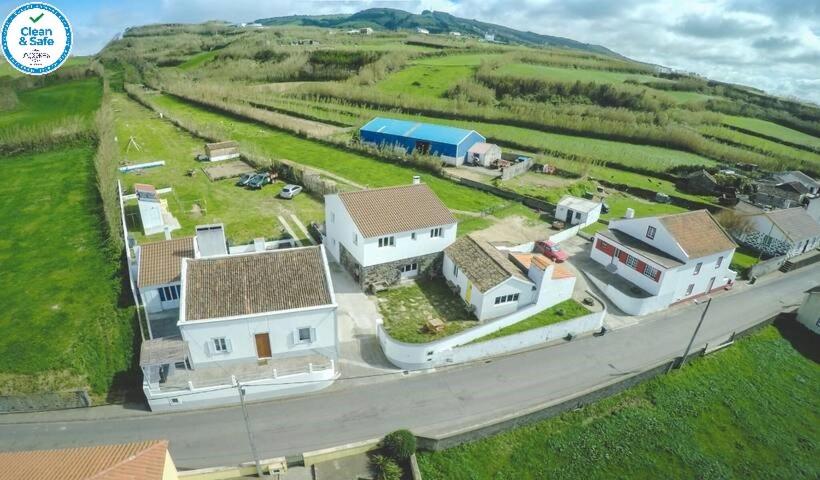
(458, 60)
(197, 60)
(352, 166)
(774, 149)
(571, 74)
(60, 282)
(195, 200)
(79, 98)
(773, 130)
(7, 70)
(424, 80)
(750, 411)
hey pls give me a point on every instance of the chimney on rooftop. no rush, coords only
(416, 179)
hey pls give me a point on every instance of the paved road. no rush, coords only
(437, 402)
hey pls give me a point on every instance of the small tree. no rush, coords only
(734, 223)
(400, 444)
(385, 468)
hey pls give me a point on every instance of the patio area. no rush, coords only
(407, 309)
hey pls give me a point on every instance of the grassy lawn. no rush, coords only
(7, 70)
(424, 80)
(406, 309)
(571, 74)
(196, 200)
(743, 260)
(595, 227)
(566, 310)
(618, 203)
(48, 104)
(772, 130)
(60, 282)
(790, 156)
(460, 60)
(197, 60)
(357, 168)
(750, 411)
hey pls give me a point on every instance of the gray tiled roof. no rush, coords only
(795, 223)
(255, 283)
(483, 264)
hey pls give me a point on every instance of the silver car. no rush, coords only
(290, 191)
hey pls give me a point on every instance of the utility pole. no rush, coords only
(692, 340)
(250, 434)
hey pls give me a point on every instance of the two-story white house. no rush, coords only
(384, 235)
(668, 258)
(496, 283)
(264, 319)
(159, 265)
(788, 231)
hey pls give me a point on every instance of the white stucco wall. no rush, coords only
(151, 299)
(578, 217)
(280, 327)
(809, 313)
(340, 229)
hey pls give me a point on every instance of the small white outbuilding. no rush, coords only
(483, 154)
(809, 312)
(573, 211)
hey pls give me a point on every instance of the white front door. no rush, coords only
(410, 270)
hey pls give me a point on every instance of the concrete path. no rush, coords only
(290, 231)
(301, 226)
(428, 403)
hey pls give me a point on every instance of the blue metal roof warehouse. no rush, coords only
(448, 142)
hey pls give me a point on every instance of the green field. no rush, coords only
(618, 203)
(777, 150)
(7, 70)
(424, 80)
(773, 130)
(352, 166)
(80, 98)
(197, 60)
(60, 283)
(750, 411)
(195, 200)
(571, 74)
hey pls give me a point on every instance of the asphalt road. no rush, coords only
(438, 402)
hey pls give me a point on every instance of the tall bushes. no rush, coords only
(106, 161)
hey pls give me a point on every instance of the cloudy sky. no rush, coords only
(770, 44)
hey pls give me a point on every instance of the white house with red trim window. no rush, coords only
(653, 262)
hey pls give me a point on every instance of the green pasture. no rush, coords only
(80, 98)
(773, 130)
(424, 80)
(749, 411)
(60, 281)
(196, 200)
(786, 154)
(571, 74)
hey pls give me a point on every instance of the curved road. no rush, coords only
(428, 403)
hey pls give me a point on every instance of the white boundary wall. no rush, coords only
(567, 233)
(419, 356)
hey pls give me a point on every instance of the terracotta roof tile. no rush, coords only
(384, 211)
(161, 262)
(129, 461)
(262, 282)
(483, 264)
(698, 233)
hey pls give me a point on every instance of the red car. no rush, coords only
(550, 250)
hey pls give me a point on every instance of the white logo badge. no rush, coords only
(36, 38)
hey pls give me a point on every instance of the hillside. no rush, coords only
(434, 22)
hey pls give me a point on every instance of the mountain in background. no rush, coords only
(434, 22)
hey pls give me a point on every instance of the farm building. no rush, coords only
(222, 150)
(701, 182)
(483, 154)
(450, 143)
(574, 211)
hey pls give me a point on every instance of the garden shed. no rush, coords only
(222, 150)
(449, 143)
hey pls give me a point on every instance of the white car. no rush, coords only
(290, 191)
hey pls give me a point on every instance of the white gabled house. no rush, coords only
(497, 283)
(266, 320)
(384, 235)
(788, 231)
(668, 258)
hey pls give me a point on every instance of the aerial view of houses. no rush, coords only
(244, 241)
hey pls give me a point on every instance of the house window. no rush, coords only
(221, 345)
(650, 271)
(167, 294)
(455, 270)
(719, 262)
(650, 232)
(631, 261)
(387, 242)
(413, 236)
(697, 268)
(332, 218)
(513, 297)
(436, 232)
(689, 289)
(577, 215)
(304, 335)
(355, 239)
(411, 267)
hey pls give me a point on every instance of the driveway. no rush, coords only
(357, 318)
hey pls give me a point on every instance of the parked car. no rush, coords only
(244, 179)
(290, 191)
(258, 181)
(551, 250)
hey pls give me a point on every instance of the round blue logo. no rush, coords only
(36, 38)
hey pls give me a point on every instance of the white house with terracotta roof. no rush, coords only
(265, 319)
(788, 231)
(384, 235)
(663, 260)
(496, 283)
(158, 279)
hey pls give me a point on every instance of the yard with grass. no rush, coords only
(196, 200)
(355, 167)
(749, 411)
(406, 309)
(61, 282)
(424, 80)
(618, 203)
(743, 260)
(566, 310)
(76, 98)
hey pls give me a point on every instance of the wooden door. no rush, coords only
(263, 345)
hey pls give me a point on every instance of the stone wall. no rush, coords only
(37, 402)
(389, 274)
(755, 240)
